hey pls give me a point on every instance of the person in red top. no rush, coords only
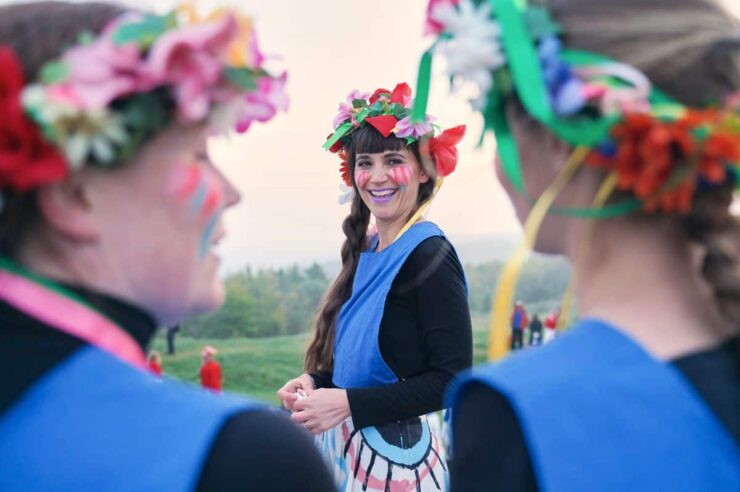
(551, 325)
(154, 362)
(210, 371)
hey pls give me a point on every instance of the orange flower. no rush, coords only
(646, 159)
(344, 168)
(660, 162)
(719, 149)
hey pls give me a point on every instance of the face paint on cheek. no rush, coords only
(402, 175)
(207, 235)
(197, 187)
(201, 191)
(361, 178)
(210, 211)
(183, 181)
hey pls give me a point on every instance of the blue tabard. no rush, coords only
(358, 362)
(599, 413)
(96, 423)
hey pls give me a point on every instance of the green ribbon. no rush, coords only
(338, 133)
(628, 206)
(521, 57)
(423, 83)
(360, 117)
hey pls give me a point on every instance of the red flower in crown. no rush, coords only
(401, 94)
(337, 145)
(443, 148)
(377, 95)
(344, 168)
(26, 159)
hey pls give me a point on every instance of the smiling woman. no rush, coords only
(394, 327)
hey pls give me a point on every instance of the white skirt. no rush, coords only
(404, 456)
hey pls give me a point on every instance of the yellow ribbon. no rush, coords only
(503, 297)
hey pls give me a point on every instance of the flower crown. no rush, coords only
(107, 95)
(652, 146)
(389, 112)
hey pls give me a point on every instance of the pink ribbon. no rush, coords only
(69, 316)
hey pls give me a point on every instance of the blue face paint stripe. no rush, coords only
(205, 239)
(196, 203)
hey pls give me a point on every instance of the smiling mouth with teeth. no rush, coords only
(384, 194)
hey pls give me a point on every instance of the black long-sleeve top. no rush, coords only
(495, 456)
(250, 450)
(425, 338)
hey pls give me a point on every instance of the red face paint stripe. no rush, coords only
(213, 199)
(189, 183)
(362, 177)
(401, 175)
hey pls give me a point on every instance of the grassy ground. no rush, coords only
(258, 367)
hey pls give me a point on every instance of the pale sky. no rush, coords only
(289, 212)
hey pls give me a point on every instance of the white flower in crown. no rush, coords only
(474, 50)
(346, 194)
(80, 133)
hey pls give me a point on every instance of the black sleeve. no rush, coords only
(264, 451)
(437, 321)
(489, 450)
(322, 379)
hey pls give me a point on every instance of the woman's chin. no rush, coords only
(217, 297)
(210, 300)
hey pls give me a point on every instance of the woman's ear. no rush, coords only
(423, 175)
(65, 208)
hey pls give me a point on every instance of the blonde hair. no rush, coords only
(689, 49)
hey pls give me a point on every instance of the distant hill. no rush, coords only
(481, 249)
(472, 250)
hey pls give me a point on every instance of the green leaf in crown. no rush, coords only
(242, 77)
(146, 31)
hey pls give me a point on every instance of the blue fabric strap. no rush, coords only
(95, 423)
(358, 362)
(599, 413)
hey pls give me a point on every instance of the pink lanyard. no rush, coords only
(67, 315)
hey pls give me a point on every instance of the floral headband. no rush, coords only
(107, 95)
(389, 112)
(653, 147)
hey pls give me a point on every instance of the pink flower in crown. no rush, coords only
(190, 59)
(255, 54)
(404, 128)
(346, 110)
(345, 113)
(431, 25)
(65, 95)
(102, 71)
(263, 103)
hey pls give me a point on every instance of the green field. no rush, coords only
(259, 366)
